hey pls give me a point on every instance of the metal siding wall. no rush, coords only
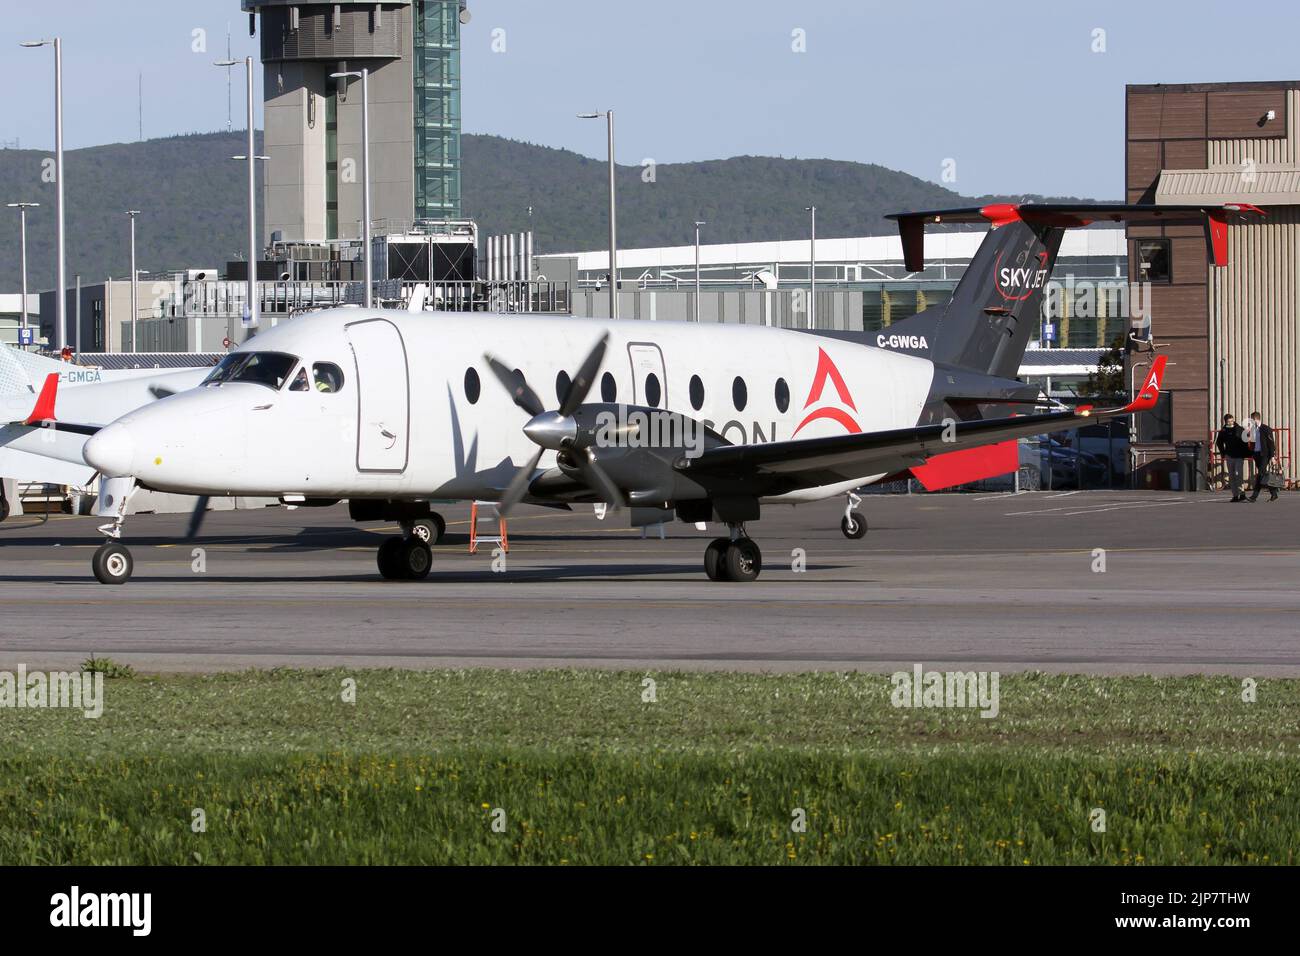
(1254, 328)
(1277, 151)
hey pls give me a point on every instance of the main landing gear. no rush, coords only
(405, 559)
(853, 525)
(409, 558)
(112, 562)
(429, 530)
(736, 558)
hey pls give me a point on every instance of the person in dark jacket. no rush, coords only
(1263, 449)
(1232, 447)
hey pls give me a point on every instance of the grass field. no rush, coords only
(484, 766)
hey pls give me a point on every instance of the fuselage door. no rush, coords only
(383, 395)
(649, 377)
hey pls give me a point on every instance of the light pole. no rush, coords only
(698, 223)
(60, 303)
(135, 295)
(812, 268)
(22, 208)
(364, 74)
(613, 232)
(251, 157)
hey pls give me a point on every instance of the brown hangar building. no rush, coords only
(1232, 333)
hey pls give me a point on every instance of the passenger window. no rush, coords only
(782, 395)
(697, 393)
(472, 386)
(329, 377)
(561, 386)
(653, 392)
(739, 394)
(608, 388)
(300, 381)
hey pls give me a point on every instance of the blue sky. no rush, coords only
(1013, 92)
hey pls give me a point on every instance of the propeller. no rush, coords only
(555, 430)
(196, 517)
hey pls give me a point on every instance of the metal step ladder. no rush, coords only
(475, 538)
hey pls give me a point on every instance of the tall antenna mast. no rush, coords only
(229, 121)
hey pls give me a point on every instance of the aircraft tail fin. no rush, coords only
(995, 309)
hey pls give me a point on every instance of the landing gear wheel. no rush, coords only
(389, 558)
(715, 559)
(743, 560)
(112, 563)
(415, 559)
(429, 530)
(853, 525)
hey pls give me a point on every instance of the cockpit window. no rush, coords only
(329, 377)
(300, 381)
(262, 368)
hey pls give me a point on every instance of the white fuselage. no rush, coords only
(408, 421)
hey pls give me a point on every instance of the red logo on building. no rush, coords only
(826, 371)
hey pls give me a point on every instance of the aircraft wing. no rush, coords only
(780, 467)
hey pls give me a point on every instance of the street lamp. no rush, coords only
(613, 233)
(251, 156)
(135, 308)
(812, 268)
(61, 306)
(22, 208)
(364, 75)
(698, 223)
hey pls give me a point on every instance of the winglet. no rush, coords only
(1145, 399)
(44, 408)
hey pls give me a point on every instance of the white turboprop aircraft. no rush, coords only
(709, 423)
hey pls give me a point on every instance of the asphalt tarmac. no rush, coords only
(1191, 584)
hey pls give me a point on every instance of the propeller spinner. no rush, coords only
(556, 430)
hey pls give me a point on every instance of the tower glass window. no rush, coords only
(437, 108)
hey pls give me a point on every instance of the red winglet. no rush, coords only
(44, 409)
(1145, 399)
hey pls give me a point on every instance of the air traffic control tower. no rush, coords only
(313, 123)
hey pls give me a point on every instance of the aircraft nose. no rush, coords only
(110, 451)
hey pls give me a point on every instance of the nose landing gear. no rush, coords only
(736, 558)
(112, 562)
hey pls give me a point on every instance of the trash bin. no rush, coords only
(1191, 465)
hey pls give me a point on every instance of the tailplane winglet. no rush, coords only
(43, 411)
(1145, 399)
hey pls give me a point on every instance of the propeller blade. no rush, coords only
(518, 486)
(597, 479)
(582, 382)
(196, 516)
(522, 395)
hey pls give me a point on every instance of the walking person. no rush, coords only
(1232, 447)
(1263, 448)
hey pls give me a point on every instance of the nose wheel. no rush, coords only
(112, 563)
(733, 559)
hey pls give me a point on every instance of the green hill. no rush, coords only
(192, 198)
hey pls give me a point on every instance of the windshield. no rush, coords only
(263, 368)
